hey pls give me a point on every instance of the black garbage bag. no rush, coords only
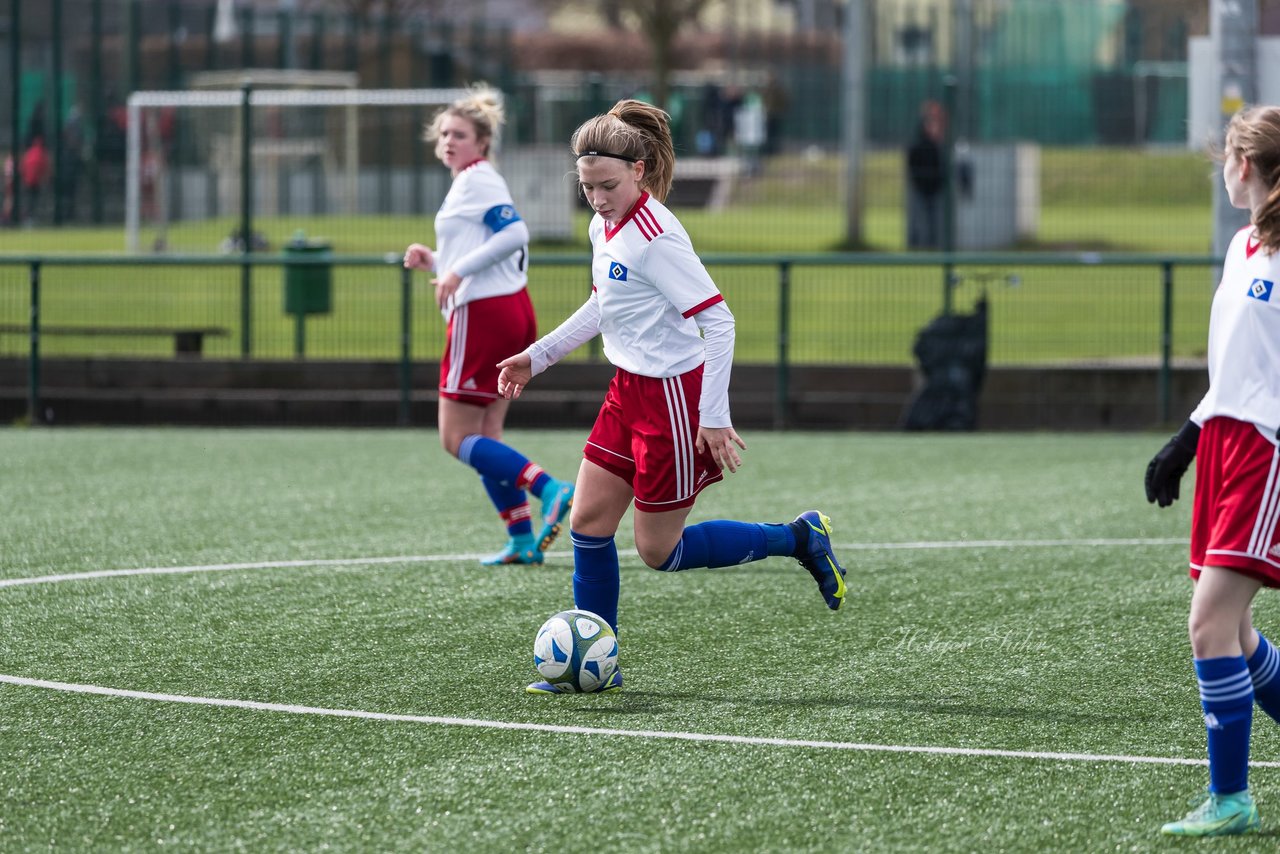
(952, 353)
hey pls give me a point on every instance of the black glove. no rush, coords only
(1166, 468)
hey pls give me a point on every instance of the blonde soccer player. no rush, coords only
(480, 262)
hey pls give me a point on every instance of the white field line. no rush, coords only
(578, 730)
(1015, 544)
(371, 561)
(604, 731)
(226, 567)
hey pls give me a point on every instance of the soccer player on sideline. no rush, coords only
(480, 262)
(663, 432)
(1235, 550)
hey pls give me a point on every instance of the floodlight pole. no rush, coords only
(95, 109)
(60, 166)
(949, 86)
(246, 216)
(1234, 27)
(15, 98)
(853, 91)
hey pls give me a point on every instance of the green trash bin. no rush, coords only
(308, 288)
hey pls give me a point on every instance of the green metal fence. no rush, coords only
(846, 309)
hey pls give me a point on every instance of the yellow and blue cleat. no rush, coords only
(519, 550)
(557, 500)
(1218, 815)
(818, 558)
(610, 685)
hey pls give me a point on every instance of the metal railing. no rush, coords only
(1049, 309)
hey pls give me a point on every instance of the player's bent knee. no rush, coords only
(1210, 637)
(659, 558)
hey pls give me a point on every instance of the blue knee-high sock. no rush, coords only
(502, 463)
(728, 543)
(1264, 668)
(511, 504)
(1226, 693)
(595, 576)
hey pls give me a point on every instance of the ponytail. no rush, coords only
(635, 131)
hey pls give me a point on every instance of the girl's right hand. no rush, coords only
(419, 257)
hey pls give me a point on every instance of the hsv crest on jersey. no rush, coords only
(617, 272)
(1260, 289)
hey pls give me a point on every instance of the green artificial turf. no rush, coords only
(1008, 592)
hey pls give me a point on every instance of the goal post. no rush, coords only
(312, 152)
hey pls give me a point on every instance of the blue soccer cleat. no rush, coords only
(820, 560)
(1218, 815)
(557, 499)
(519, 550)
(612, 684)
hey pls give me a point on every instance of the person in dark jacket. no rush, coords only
(927, 179)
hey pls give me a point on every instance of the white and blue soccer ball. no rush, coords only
(576, 651)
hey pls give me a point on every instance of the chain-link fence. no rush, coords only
(1073, 95)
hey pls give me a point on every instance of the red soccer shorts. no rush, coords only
(646, 434)
(1237, 503)
(481, 334)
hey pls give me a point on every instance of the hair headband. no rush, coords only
(607, 154)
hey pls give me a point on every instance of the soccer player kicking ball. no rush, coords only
(1235, 550)
(663, 432)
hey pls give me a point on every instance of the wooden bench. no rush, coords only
(187, 340)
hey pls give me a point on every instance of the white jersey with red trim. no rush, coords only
(1244, 338)
(650, 283)
(478, 207)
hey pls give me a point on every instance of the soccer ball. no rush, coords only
(576, 651)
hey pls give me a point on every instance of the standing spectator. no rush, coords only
(480, 263)
(776, 101)
(927, 166)
(1234, 437)
(10, 182)
(711, 136)
(35, 174)
(70, 160)
(749, 130)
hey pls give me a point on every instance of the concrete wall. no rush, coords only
(176, 391)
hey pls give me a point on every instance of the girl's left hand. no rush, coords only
(514, 373)
(721, 441)
(446, 287)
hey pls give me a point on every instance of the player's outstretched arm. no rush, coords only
(514, 374)
(721, 441)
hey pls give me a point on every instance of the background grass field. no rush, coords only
(1008, 593)
(1099, 199)
(838, 314)
(1095, 198)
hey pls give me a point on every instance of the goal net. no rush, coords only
(293, 148)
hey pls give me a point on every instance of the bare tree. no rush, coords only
(660, 22)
